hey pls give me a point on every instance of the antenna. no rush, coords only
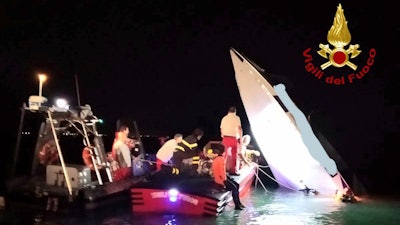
(77, 89)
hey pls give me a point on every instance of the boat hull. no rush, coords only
(87, 194)
(196, 196)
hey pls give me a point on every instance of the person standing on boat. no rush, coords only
(165, 153)
(186, 154)
(221, 179)
(121, 153)
(231, 133)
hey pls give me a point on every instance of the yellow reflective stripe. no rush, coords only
(195, 159)
(193, 145)
(189, 145)
(175, 171)
(180, 148)
(186, 143)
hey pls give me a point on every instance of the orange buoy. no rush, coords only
(87, 157)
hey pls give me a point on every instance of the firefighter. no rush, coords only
(186, 155)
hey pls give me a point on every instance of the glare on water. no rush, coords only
(270, 207)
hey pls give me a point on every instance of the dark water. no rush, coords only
(275, 206)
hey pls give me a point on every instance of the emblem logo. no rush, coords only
(339, 56)
(339, 36)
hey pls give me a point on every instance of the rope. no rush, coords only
(144, 160)
(258, 178)
(270, 177)
(151, 162)
(257, 167)
(281, 183)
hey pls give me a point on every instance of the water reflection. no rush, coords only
(282, 207)
(271, 207)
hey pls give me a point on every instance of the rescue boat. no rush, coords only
(63, 164)
(195, 195)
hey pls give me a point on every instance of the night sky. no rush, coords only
(166, 64)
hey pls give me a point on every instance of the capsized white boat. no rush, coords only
(285, 138)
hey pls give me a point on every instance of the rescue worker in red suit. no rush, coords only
(186, 155)
(231, 133)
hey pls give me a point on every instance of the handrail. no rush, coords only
(96, 169)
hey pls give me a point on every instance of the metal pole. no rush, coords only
(42, 78)
(99, 151)
(77, 90)
(40, 91)
(60, 153)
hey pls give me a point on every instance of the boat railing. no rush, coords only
(60, 155)
(59, 123)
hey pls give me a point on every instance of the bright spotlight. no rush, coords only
(173, 195)
(62, 104)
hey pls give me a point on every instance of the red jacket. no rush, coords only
(219, 170)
